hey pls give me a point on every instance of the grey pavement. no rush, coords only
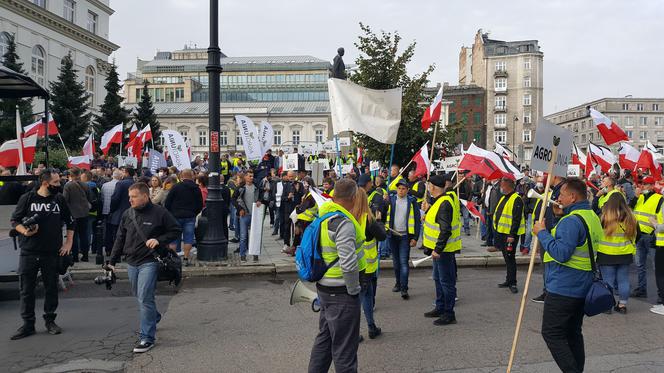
(242, 325)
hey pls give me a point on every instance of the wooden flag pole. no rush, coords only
(533, 254)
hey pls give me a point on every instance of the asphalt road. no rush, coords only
(246, 325)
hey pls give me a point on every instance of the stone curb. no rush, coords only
(289, 268)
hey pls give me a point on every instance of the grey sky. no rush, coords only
(592, 49)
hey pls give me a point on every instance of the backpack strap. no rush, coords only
(597, 274)
(331, 215)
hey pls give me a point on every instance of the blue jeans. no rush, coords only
(444, 277)
(528, 236)
(400, 254)
(384, 249)
(367, 297)
(644, 246)
(188, 226)
(231, 221)
(619, 273)
(143, 280)
(483, 227)
(466, 219)
(245, 224)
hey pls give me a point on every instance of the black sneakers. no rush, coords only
(638, 293)
(540, 298)
(24, 331)
(433, 313)
(143, 346)
(445, 320)
(396, 288)
(404, 294)
(374, 331)
(503, 285)
(53, 328)
(514, 289)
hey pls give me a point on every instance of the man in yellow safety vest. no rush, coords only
(509, 226)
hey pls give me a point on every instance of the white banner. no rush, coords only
(573, 170)
(250, 141)
(177, 149)
(374, 166)
(266, 137)
(544, 137)
(127, 161)
(448, 164)
(256, 231)
(375, 113)
(290, 162)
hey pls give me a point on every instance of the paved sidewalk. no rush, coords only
(273, 261)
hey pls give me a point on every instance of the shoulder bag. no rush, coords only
(170, 264)
(600, 296)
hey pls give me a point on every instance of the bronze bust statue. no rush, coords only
(338, 67)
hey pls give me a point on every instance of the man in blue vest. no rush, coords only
(568, 275)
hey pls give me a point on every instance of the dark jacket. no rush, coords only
(120, 199)
(238, 200)
(421, 189)
(11, 192)
(155, 222)
(48, 239)
(184, 200)
(76, 194)
(412, 204)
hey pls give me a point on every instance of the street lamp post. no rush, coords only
(214, 244)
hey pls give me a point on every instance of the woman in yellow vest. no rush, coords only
(616, 251)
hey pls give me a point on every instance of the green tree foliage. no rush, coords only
(8, 106)
(145, 115)
(381, 65)
(112, 112)
(69, 105)
(56, 158)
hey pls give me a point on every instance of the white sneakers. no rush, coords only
(658, 309)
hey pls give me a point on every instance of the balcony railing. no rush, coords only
(500, 126)
(500, 89)
(500, 74)
(500, 108)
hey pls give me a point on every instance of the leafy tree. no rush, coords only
(112, 112)
(57, 157)
(69, 105)
(381, 65)
(8, 106)
(145, 114)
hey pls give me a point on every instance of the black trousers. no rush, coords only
(286, 209)
(659, 271)
(28, 266)
(109, 235)
(500, 241)
(562, 319)
(338, 334)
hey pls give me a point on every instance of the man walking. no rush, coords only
(509, 225)
(648, 205)
(184, 202)
(568, 275)
(338, 291)
(76, 195)
(40, 244)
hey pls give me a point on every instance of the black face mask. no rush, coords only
(53, 189)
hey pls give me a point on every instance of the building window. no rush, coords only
(527, 136)
(5, 37)
(159, 95)
(629, 133)
(69, 10)
(500, 137)
(643, 135)
(527, 154)
(501, 119)
(526, 63)
(452, 118)
(628, 121)
(238, 139)
(464, 118)
(223, 138)
(319, 136)
(655, 107)
(501, 101)
(90, 84)
(170, 95)
(527, 99)
(185, 135)
(478, 118)
(464, 101)
(625, 106)
(38, 64)
(477, 136)
(179, 94)
(527, 117)
(41, 3)
(643, 121)
(639, 107)
(659, 121)
(478, 100)
(583, 138)
(277, 137)
(296, 137)
(202, 137)
(500, 84)
(464, 137)
(526, 82)
(139, 94)
(501, 66)
(591, 136)
(92, 22)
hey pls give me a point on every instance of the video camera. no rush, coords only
(108, 278)
(29, 222)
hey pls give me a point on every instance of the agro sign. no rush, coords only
(545, 136)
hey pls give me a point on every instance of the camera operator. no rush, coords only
(157, 229)
(38, 219)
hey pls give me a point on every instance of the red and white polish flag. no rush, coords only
(133, 132)
(38, 128)
(489, 165)
(648, 161)
(628, 156)
(82, 162)
(607, 128)
(113, 136)
(432, 113)
(9, 156)
(602, 156)
(89, 146)
(470, 206)
(578, 157)
(421, 159)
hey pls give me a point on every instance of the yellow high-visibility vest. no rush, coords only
(411, 218)
(329, 247)
(504, 223)
(580, 259)
(432, 229)
(646, 209)
(309, 214)
(617, 244)
(604, 198)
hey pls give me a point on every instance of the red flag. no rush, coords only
(472, 209)
(432, 113)
(82, 162)
(421, 159)
(145, 134)
(133, 132)
(89, 146)
(627, 156)
(602, 156)
(9, 156)
(607, 128)
(589, 168)
(578, 157)
(38, 128)
(488, 164)
(359, 156)
(647, 161)
(113, 136)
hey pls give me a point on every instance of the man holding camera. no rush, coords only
(157, 229)
(38, 221)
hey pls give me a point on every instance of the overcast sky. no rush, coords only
(592, 49)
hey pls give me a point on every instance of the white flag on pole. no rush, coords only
(250, 140)
(266, 136)
(375, 113)
(20, 170)
(177, 149)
